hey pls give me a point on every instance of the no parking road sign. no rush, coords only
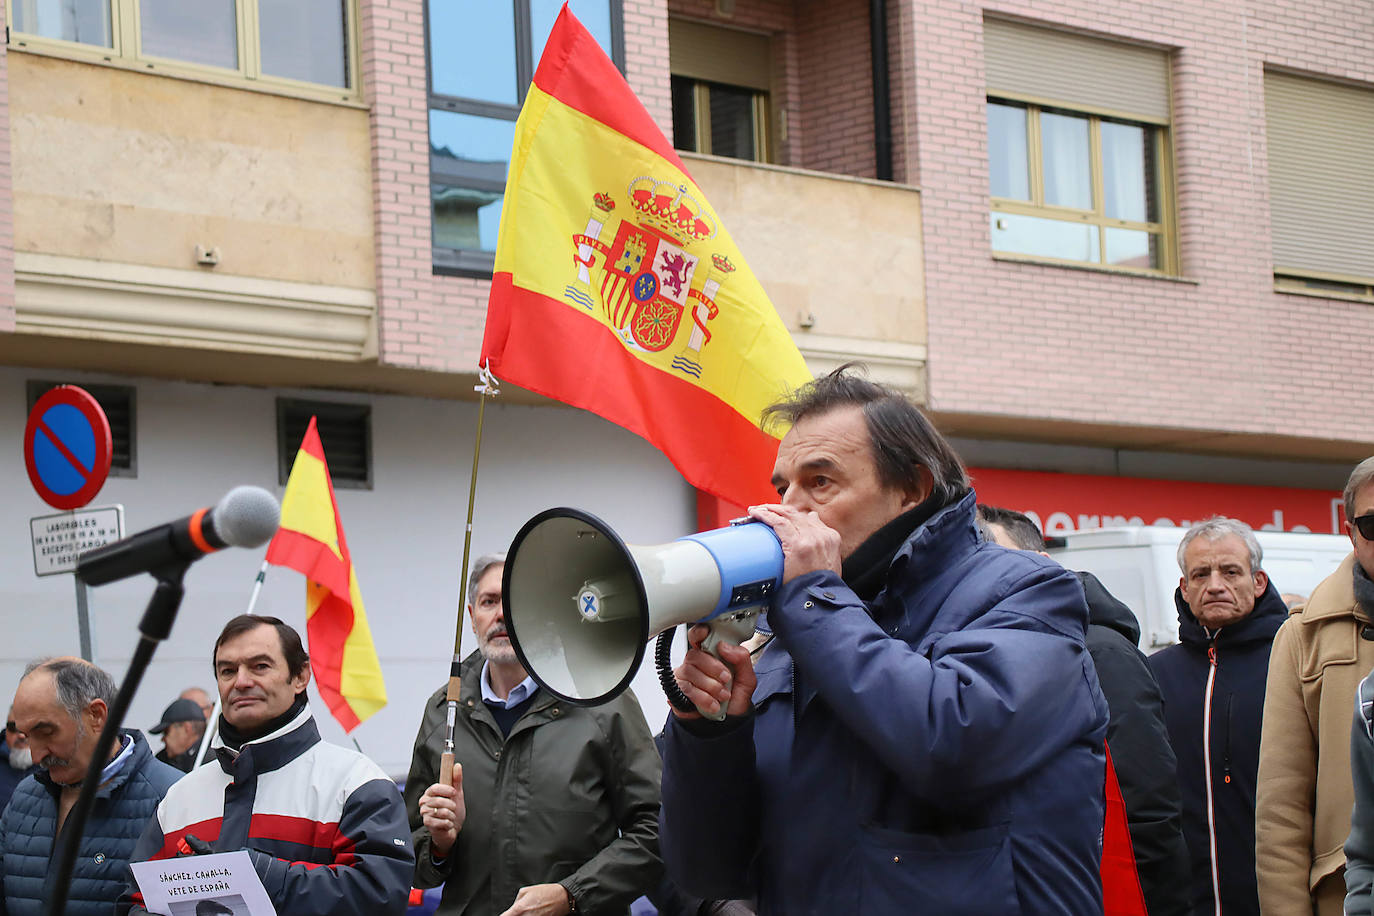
(67, 447)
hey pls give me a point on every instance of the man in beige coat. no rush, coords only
(1304, 797)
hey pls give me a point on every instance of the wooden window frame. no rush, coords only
(1163, 229)
(126, 52)
(701, 113)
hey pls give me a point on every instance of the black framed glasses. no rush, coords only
(11, 727)
(1365, 523)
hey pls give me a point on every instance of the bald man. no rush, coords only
(61, 706)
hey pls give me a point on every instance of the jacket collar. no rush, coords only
(1334, 596)
(272, 751)
(470, 696)
(140, 755)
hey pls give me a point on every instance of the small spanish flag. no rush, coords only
(617, 289)
(311, 541)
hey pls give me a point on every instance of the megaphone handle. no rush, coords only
(733, 628)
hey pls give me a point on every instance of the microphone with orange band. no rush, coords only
(245, 517)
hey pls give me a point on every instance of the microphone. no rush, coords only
(245, 517)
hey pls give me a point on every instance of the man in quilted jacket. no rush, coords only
(62, 705)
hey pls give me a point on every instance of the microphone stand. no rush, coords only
(155, 627)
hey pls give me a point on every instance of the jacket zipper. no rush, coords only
(1207, 774)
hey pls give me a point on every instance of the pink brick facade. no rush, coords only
(1013, 347)
(1216, 351)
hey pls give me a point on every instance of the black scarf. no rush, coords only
(865, 570)
(233, 738)
(1364, 590)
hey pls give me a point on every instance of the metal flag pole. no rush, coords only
(213, 724)
(489, 386)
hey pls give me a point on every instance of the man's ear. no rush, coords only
(925, 485)
(300, 681)
(96, 713)
(1261, 582)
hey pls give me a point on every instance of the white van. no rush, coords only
(1139, 565)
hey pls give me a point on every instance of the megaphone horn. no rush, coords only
(581, 604)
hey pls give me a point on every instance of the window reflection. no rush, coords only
(1128, 172)
(304, 40)
(1068, 175)
(86, 21)
(472, 49)
(1008, 163)
(201, 31)
(1131, 248)
(594, 14)
(1046, 238)
(469, 158)
(732, 122)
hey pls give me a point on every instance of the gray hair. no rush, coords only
(78, 683)
(1216, 528)
(1359, 478)
(479, 569)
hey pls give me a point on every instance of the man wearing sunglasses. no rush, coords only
(16, 760)
(1304, 795)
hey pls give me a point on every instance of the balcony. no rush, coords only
(839, 256)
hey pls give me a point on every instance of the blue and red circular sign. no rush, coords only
(67, 447)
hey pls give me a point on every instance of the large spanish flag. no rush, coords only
(311, 541)
(617, 289)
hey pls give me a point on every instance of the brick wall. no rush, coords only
(1215, 350)
(835, 61)
(6, 195)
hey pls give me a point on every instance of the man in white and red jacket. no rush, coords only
(325, 828)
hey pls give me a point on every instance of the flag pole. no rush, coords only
(489, 386)
(212, 726)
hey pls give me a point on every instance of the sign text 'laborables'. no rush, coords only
(58, 540)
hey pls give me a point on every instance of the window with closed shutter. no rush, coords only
(1321, 184)
(345, 432)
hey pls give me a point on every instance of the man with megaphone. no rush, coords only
(925, 732)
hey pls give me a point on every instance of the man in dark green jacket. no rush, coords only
(554, 807)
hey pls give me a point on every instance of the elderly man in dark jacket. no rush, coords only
(554, 806)
(62, 705)
(1213, 684)
(925, 733)
(1139, 740)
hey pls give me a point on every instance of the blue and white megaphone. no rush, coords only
(581, 604)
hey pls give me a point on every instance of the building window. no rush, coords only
(720, 120)
(293, 44)
(1320, 140)
(720, 83)
(1079, 165)
(345, 432)
(1075, 187)
(118, 403)
(482, 58)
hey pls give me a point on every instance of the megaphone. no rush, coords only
(581, 604)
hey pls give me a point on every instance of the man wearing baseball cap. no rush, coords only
(182, 728)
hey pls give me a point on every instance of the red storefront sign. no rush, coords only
(1071, 502)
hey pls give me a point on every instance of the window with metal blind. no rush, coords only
(1078, 149)
(720, 87)
(1321, 159)
(345, 432)
(118, 403)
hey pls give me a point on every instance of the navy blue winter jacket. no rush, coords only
(122, 807)
(936, 751)
(1234, 716)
